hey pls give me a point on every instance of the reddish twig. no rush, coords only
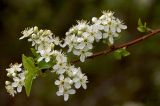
(130, 43)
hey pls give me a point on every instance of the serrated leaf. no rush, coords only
(31, 72)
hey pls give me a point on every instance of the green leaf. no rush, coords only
(140, 22)
(31, 72)
(34, 52)
(117, 54)
(145, 25)
(44, 65)
(125, 53)
(121, 53)
(142, 29)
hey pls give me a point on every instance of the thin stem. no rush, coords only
(130, 43)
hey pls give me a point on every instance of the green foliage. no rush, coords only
(122, 52)
(31, 72)
(43, 65)
(35, 54)
(142, 27)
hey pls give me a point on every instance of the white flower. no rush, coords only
(119, 26)
(63, 83)
(19, 82)
(80, 80)
(61, 64)
(82, 25)
(56, 40)
(10, 90)
(95, 32)
(14, 69)
(66, 93)
(26, 33)
(83, 54)
(59, 68)
(79, 40)
(61, 58)
(45, 54)
(72, 71)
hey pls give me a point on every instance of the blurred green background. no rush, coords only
(132, 81)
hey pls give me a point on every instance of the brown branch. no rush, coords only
(130, 43)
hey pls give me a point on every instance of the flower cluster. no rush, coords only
(43, 40)
(72, 78)
(109, 25)
(18, 75)
(80, 38)
(69, 76)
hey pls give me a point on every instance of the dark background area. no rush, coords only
(131, 81)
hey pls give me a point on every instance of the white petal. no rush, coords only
(105, 35)
(76, 52)
(80, 46)
(116, 35)
(91, 39)
(66, 96)
(47, 59)
(90, 46)
(98, 35)
(79, 39)
(123, 27)
(118, 30)
(61, 89)
(55, 67)
(61, 77)
(19, 88)
(59, 93)
(57, 82)
(15, 84)
(18, 69)
(113, 29)
(75, 79)
(106, 28)
(111, 40)
(61, 71)
(40, 59)
(77, 85)
(82, 58)
(84, 86)
(88, 54)
(72, 91)
(22, 37)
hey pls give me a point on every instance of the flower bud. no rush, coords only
(35, 29)
(41, 32)
(14, 74)
(102, 17)
(8, 74)
(80, 32)
(7, 82)
(94, 19)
